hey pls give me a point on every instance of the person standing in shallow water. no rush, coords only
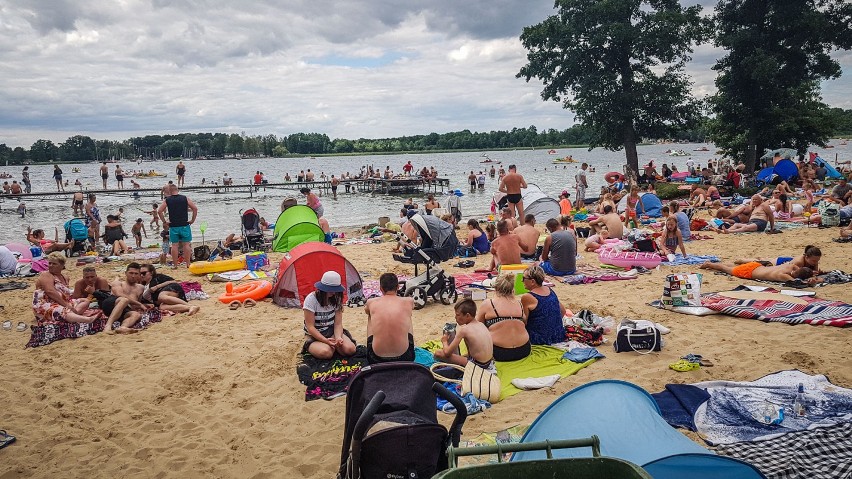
(180, 171)
(104, 174)
(57, 176)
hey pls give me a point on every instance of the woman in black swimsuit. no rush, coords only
(504, 317)
(431, 204)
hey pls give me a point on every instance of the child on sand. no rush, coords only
(672, 238)
(630, 209)
(137, 230)
(477, 338)
(597, 240)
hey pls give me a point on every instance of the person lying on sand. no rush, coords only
(36, 238)
(761, 215)
(163, 291)
(124, 303)
(759, 271)
(809, 259)
(597, 240)
(477, 339)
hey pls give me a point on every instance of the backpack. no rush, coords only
(829, 213)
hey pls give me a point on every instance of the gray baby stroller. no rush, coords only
(438, 243)
(392, 427)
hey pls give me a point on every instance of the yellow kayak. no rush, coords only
(204, 267)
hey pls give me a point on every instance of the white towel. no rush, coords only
(535, 383)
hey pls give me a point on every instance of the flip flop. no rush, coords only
(249, 303)
(683, 365)
(7, 325)
(5, 439)
(233, 305)
(21, 327)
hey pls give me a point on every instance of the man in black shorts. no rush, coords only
(512, 184)
(104, 174)
(390, 332)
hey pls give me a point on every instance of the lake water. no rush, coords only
(222, 211)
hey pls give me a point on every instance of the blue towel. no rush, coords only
(581, 355)
(678, 403)
(691, 259)
(423, 357)
(473, 404)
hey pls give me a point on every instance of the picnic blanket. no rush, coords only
(824, 452)
(815, 311)
(542, 361)
(47, 332)
(329, 378)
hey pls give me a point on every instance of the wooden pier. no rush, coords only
(396, 186)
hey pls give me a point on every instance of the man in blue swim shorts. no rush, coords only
(180, 233)
(761, 216)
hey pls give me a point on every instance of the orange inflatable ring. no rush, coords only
(614, 177)
(255, 290)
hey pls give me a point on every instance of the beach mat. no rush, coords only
(814, 311)
(824, 452)
(542, 361)
(51, 331)
(329, 378)
(678, 403)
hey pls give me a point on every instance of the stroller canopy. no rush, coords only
(632, 429)
(75, 229)
(434, 231)
(251, 222)
(305, 265)
(651, 205)
(294, 226)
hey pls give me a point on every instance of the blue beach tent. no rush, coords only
(651, 206)
(830, 171)
(628, 422)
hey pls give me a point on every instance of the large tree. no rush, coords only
(769, 81)
(618, 64)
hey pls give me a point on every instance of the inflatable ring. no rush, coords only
(255, 290)
(614, 177)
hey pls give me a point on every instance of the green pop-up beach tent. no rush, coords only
(294, 226)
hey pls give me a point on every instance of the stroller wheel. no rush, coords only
(419, 296)
(447, 297)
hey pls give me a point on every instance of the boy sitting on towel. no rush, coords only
(476, 336)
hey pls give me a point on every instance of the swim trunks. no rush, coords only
(105, 176)
(180, 234)
(761, 224)
(373, 358)
(514, 198)
(745, 271)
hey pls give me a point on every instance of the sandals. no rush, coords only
(683, 365)
(234, 305)
(697, 358)
(21, 327)
(246, 303)
(465, 264)
(249, 303)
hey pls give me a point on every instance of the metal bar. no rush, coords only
(548, 446)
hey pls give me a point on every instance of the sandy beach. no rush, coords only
(216, 394)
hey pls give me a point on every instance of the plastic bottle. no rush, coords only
(768, 412)
(799, 401)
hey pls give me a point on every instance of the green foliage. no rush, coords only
(669, 191)
(618, 64)
(842, 120)
(44, 151)
(768, 83)
(78, 149)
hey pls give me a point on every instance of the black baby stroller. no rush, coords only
(438, 243)
(253, 238)
(392, 427)
(77, 231)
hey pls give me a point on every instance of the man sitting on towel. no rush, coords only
(760, 271)
(529, 238)
(390, 332)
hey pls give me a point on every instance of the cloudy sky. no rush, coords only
(350, 69)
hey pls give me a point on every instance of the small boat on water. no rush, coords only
(75, 170)
(677, 153)
(703, 148)
(488, 159)
(567, 159)
(551, 152)
(150, 174)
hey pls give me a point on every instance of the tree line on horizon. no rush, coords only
(619, 65)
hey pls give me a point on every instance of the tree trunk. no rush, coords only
(751, 152)
(631, 153)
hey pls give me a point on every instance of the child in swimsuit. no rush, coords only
(632, 200)
(476, 337)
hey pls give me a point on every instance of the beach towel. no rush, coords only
(542, 361)
(730, 413)
(678, 403)
(13, 285)
(51, 331)
(472, 403)
(329, 378)
(824, 452)
(681, 260)
(511, 435)
(193, 291)
(815, 311)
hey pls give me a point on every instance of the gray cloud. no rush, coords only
(346, 68)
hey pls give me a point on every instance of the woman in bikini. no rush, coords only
(431, 204)
(36, 238)
(52, 300)
(503, 315)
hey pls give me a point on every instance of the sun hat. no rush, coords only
(330, 283)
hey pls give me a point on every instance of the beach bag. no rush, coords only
(466, 252)
(697, 224)
(829, 214)
(256, 261)
(582, 232)
(645, 246)
(475, 380)
(639, 336)
(201, 253)
(681, 290)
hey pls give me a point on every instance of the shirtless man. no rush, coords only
(697, 197)
(761, 215)
(755, 270)
(511, 184)
(506, 248)
(90, 283)
(609, 220)
(104, 174)
(529, 235)
(119, 177)
(511, 222)
(390, 332)
(124, 303)
(77, 203)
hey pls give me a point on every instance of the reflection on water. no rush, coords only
(221, 211)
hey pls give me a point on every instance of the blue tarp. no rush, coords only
(786, 169)
(628, 422)
(830, 171)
